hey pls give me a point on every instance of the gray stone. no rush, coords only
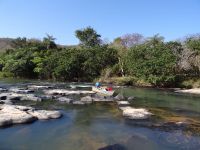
(37, 87)
(135, 113)
(119, 97)
(66, 92)
(123, 103)
(86, 99)
(3, 90)
(78, 103)
(45, 114)
(15, 114)
(20, 90)
(65, 100)
(131, 98)
(31, 97)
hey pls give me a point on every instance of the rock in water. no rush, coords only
(10, 114)
(3, 90)
(86, 99)
(131, 98)
(45, 114)
(119, 97)
(37, 87)
(123, 103)
(65, 100)
(135, 113)
(66, 92)
(20, 90)
(15, 114)
(78, 103)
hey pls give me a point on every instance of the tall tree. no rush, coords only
(88, 37)
(49, 41)
(130, 40)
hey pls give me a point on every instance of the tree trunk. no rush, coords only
(121, 67)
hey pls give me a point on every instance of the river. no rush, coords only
(102, 125)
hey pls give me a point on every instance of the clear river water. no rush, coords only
(175, 124)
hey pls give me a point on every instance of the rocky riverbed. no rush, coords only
(10, 113)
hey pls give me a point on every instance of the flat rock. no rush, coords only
(45, 114)
(15, 114)
(123, 103)
(131, 98)
(20, 90)
(64, 100)
(37, 87)
(3, 90)
(10, 114)
(66, 92)
(119, 97)
(135, 113)
(87, 99)
(31, 97)
(18, 97)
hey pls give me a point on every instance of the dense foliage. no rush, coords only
(151, 59)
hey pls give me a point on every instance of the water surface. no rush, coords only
(99, 125)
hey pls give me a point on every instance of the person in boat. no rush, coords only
(109, 89)
(97, 84)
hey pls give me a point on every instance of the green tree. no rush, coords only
(88, 37)
(154, 64)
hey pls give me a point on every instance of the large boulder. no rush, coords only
(135, 113)
(10, 114)
(15, 114)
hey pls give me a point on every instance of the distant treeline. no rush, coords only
(150, 60)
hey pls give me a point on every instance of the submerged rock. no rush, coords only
(135, 113)
(15, 114)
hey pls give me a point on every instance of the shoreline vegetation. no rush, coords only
(131, 59)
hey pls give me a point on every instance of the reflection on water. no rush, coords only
(101, 126)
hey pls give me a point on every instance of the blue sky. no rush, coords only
(110, 18)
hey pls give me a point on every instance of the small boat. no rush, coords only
(103, 91)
